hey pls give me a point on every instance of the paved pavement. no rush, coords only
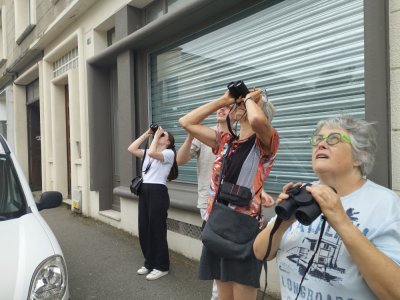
(102, 262)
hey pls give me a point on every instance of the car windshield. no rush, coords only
(12, 199)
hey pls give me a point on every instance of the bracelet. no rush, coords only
(245, 100)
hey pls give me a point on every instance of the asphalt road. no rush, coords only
(102, 262)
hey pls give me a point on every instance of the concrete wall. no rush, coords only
(394, 46)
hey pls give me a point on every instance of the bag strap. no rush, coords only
(148, 166)
(225, 158)
(222, 175)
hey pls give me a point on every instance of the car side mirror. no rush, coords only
(49, 200)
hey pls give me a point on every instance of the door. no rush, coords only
(34, 146)
(68, 141)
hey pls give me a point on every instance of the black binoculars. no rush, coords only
(301, 203)
(237, 89)
(154, 127)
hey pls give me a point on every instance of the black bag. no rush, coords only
(235, 194)
(136, 184)
(230, 234)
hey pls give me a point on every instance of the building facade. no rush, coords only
(80, 79)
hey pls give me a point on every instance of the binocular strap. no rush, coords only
(312, 257)
(278, 222)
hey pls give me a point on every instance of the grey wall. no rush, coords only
(377, 85)
(100, 134)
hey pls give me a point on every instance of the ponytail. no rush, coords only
(174, 172)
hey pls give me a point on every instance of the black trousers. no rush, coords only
(153, 213)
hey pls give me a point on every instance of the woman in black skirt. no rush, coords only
(249, 162)
(159, 166)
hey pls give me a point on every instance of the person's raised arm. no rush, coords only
(134, 147)
(256, 116)
(183, 155)
(191, 121)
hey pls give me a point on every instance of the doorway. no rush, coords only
(34, 146)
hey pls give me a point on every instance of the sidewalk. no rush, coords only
(102, 262)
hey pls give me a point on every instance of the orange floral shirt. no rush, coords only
(265, 163)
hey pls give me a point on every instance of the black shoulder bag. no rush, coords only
(228, 233)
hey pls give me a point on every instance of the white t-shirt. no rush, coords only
(159, 170)
(375, 210)
(205, 160)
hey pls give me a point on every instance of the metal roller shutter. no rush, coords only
(308, 54)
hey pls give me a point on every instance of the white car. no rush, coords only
(32, 265)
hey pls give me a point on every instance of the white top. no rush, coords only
(375, 210)
(159, 170)
(205, 159)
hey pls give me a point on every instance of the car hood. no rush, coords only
(24, 243)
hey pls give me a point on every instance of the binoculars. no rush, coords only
(154, 127)
(237, 89)
(301, 203)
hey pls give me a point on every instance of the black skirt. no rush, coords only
(245, 272)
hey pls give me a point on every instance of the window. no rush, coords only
(25, 18)
(32, 92)
(3, 114)
(66, 62)
(3, 128)
(110, 36)
(12, 199)
(308, 54)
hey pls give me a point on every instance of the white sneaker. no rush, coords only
(143, 271)
(155, 274)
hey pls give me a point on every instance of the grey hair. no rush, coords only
(268, 108)
(362, 135)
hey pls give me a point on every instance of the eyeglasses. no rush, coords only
(332, 139)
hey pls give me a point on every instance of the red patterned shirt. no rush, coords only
(248, 169)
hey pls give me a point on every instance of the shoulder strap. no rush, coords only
(145, 150)
(223, 168)
(223, 172)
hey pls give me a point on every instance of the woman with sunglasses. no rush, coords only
(253, 152)
(159, 167)
(357, 256)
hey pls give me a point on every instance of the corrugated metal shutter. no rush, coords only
(308, 54)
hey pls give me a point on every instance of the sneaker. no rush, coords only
(155, 274)
(143, 270)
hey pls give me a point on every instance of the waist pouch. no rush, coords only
(235, 194)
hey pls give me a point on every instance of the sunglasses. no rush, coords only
(332, 139)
